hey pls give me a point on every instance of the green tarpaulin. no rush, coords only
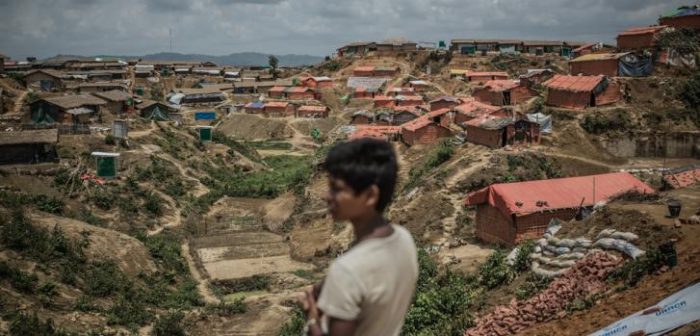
(205, 134)
(106, 167)
(41, 117)
(156, 114)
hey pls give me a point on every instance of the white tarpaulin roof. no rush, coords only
(544, 120)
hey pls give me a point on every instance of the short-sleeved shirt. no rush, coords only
(373, 284)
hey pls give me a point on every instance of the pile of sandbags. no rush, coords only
(554, 256)
(585, 279)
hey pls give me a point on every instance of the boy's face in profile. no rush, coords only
(344, 203)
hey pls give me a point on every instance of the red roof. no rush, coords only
(410, 109)
(364, 68)
(500, 85)
(473, 107)
(584, 47)
(642, 30)
(437, 113)
(485, 73)
(280, 89)
(360, 89)
(370, 131)
(383, 98)
(277, 104)
(417, 123)
(522, 198)
(312, 108)
(298, 89)
(574, 83)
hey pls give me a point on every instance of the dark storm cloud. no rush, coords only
(133, 27)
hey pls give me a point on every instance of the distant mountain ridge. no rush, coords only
(236, 59)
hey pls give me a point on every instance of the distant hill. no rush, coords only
(241, 59)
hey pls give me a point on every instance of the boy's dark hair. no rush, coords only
(362, 163)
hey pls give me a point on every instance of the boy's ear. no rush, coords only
(372, 196)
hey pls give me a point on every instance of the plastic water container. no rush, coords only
(674, 208)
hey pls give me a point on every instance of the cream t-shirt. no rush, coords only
(373, 284)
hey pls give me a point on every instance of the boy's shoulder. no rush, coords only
(362, 254)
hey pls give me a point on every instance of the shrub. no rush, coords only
(295, 325)
(103, 199)
(440, 155)
(602, 122)
(522, 260)
(129, 311)
(30, 325)
(109, 140)
(634, 270)
(254, 283)
(495, 272)
(169, 325)
(84, 304)
(228, 309)
(165, 249)
(154, 204)
(21, 281)
(104, 278)
(533, 284)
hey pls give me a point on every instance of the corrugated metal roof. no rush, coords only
(364, 68)
(113, 95)
(255, 105)
(371, 84)
(500, 85)
(486, 73)
(447, 99)
(473, 107)
(490, 122)
(68, 102)
(598, 57)
(574, 83)
(49, 136)
(277, 104)
(417, 123)
(522, 198)
(383, 98)
(535, 43)
(642, 30)
(312, 108)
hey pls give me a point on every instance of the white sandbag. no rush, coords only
(573, 255)
(545, 272)
(605, 233)
(570, 243)
(580, 249)
(553, 227)
(542, 242)
(562, 250)
(554, 241)
(548, 253)
(628, 236)
(582, 242)
(510, 259)
(538, 249)
(621, 246)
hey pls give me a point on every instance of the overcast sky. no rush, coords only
(45, 28)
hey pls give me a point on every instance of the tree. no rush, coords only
(273, 62)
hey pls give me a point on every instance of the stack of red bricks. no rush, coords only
(583, 280)
(682, 177)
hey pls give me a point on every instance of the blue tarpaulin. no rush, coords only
(632, 65)
(204, 115)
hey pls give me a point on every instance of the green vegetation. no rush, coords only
(683, 40)
(19, 280)
(295, 325)
(605, 122)
(22, 324)
(285, 173)
(495, 272)
(634, 270)
(250, 284)
(109, 140)
(269, 144)
(441, 302)
(441, 154)
(533, 284)
(302, 273)
(239, 147)
(690, 95)
(522, 260)
(169, 325)
(228, 309)
(15, 200)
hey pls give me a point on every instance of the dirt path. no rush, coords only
(202, 284)
(140, 134)
(170, 221)
(19, 102)
(200, 189)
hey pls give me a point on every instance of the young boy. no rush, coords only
(368, 289)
